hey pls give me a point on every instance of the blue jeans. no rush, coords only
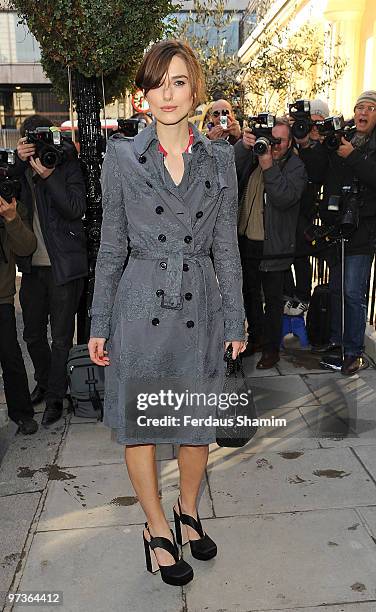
(357, 272)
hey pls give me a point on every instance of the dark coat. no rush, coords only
(283, 188)
(61, 203)
(361, 163)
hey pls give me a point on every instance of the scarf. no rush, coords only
(251, 220)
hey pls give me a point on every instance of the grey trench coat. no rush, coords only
(166, 316)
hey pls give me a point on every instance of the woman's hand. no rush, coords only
(97, 352)
(237, 347)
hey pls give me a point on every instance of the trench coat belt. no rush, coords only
(172, 296)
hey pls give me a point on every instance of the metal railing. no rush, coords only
(320, 274)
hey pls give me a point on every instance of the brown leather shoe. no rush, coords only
(351, 365)
(268, 360)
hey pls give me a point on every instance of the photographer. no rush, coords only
(52, 279)
(270, 188)
(16, 238)
(314, 156)
(223, 124)
(355, 159)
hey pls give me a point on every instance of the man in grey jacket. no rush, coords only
(270, 188)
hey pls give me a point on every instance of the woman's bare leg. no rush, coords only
(142, 470)
(192, 462)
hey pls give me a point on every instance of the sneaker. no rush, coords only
(298, 308)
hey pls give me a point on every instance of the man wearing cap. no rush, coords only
(355, 159)
(314, 157)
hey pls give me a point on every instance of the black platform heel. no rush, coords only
(204, 548)
(178, 574)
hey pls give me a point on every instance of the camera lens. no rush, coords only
(49, 159)
(301, 128)
(332, 142)
(6, 190)
(261, 146)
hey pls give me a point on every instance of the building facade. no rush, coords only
(349, 23)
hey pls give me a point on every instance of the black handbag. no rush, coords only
(236, 426)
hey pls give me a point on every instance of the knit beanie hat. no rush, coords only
(367, 95)
(319, 107)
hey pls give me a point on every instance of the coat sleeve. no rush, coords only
(67, 189)
(113, 246)
(21, 239)
(227, 259)
(363, 167)
(284, 189)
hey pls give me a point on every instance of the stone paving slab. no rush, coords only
(26, 465)
(357, 607)
(296, 435)
(367, 455)
(97, 569)
(300, 361)
(341, 425)
(242, 483)
(16, 515)
(96, 496)
(92, 445)
(281, 392)
(249, 364)
(285, 561)
(369, 516)
(336, 390)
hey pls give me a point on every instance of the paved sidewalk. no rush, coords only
(293, 512)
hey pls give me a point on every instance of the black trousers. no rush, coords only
(14, 374)
(302, 289)
(264, 324)
(42, 300)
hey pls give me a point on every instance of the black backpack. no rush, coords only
(318, 316)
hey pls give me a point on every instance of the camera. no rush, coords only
(130, 127)
(48, 145)
(7, 157)
(261, 126)
(223, 122)
(333, 128)
(300, 111)
(9, 187)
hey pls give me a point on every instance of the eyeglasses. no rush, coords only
(224, 111)
(360, 108)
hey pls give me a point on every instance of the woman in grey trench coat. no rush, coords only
(168, 317)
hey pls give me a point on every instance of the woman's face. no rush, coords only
(172, 100)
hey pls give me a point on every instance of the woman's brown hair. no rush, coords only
(155, 64)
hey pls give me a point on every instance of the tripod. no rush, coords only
(335, 362)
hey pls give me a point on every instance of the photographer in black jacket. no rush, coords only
(314, 156)
(52, 279)
(354, 159)
(270, 188)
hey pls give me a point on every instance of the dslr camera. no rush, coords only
(346, 216)
(300, 111)
(9, 187)
(129, 128)
(261, 126)
(48, 143)
(333, 128)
